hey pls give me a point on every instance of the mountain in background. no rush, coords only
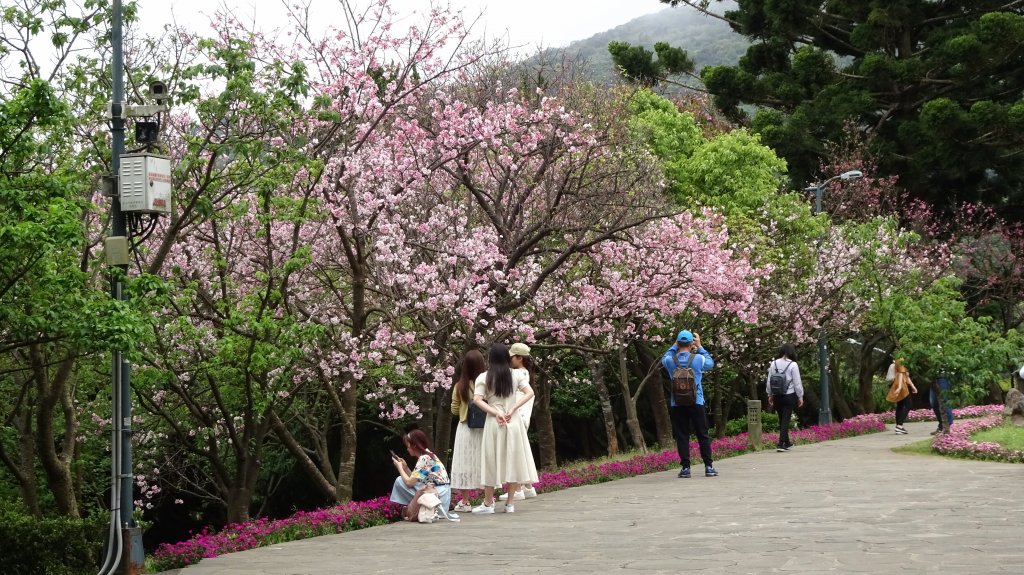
(709, 41)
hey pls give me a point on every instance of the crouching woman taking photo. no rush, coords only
(428, 474)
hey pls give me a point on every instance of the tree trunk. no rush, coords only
(655, 392)
(443, 424)
(596, 365)
(995, 393)
(337, 423)
(349, 442)
(249, 456)
(753, 389)
(322, 476)
(717, 400)
(632, 421)
(356, 250)
(237, 505)
(55, 453)
(839, 406)
(866, 373)
(23, 469)
(541, 421)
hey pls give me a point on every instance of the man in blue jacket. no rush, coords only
(685, 418)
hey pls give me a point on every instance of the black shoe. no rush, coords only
(684, 473)
(710, 471)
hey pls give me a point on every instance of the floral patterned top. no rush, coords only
(429, 469)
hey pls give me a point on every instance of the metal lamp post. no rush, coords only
(825, 412)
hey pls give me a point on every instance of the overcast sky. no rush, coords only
(527, 23)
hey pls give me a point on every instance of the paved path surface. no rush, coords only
(847, 506)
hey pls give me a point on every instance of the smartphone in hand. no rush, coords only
(394, 455)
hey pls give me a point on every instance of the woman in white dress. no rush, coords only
(522, 366)
(506, 456)
(465, 473)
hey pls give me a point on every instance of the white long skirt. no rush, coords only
(465, 468)
(507, 457)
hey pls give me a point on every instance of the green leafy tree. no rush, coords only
(935, 336)
(938, 84)
(52, 310)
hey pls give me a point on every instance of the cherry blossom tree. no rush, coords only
(630, 289)
(359, 216)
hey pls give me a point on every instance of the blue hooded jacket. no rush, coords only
(701, 363)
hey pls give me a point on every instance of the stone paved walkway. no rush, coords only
(847, 506)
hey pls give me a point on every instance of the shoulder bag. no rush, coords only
(477, 417)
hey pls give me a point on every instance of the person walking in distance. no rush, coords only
(901, 391)
(522, 366)
(465, 473)
(785, 391)
(938, 396)
(686, 361)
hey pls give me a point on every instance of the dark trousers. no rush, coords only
(784, 405)
(684, 420)
(934, 400)
(902, 410)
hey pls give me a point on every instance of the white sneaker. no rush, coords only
(463, 507)
(519, 496)
(483, 508)
(509, 508)
(529, 492)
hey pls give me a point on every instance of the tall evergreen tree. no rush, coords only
(938, 86)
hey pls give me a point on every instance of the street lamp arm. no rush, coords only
(845, 176)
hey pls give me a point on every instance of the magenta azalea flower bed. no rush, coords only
(356, 515)
(958, 442)
(958, 413)
(260, 532)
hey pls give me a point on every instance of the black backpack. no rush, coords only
(777, 380)
(684, 382)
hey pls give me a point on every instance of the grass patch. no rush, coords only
(923, 447)
(1009, 436)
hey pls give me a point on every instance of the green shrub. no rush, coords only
(51, 546)
(769, 422)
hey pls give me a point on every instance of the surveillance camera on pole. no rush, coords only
(144, 179)
(158, 92)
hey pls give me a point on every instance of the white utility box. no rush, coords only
(145, 184)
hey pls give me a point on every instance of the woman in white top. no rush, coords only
(787, 393)
(505, 452)
(522, 365)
